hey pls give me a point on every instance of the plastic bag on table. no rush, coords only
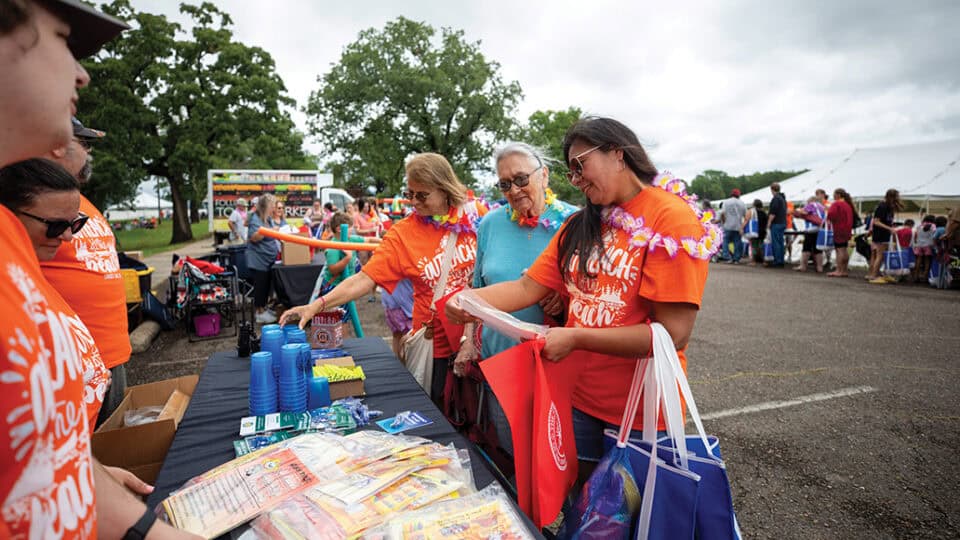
(143, 415)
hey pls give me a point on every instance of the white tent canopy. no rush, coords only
(144, 205)
(921, 172)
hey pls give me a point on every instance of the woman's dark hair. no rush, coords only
(13, 14)
(758, 204)
(892, 198)
(842, 194)
(582, 233)
(21, 183)
(329, 206)
(940, 221)
(928, 219)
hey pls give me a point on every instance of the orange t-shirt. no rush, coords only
(620, 294)
(413, 249)
(86, 273)
(46, 482)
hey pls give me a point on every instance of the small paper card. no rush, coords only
(404, 421)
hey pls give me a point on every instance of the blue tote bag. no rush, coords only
(752, 230)
(825, 236)
(628, 483)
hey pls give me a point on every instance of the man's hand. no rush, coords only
(128, 480)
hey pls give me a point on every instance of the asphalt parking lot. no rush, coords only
(866, 448)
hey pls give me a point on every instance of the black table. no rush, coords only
(211, 423)
(294, 283)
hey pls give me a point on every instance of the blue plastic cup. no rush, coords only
(290, 362)
(271, 341)
(270, 327)
(319, 393)
(293, 334)
(261, 371)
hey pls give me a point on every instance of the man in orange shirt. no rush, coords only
(50, 484)
(86, 272)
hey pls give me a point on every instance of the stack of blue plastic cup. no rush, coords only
(269, 327)
(306, 363)
(293, 392)
(263, 387)
(270, 341)
(293, 334)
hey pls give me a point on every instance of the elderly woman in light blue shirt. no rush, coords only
(509, 239)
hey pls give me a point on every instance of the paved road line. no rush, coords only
(852, 391)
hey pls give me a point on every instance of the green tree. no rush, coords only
(188, 104)
(712, 184)
(545, 130)
(400, 90)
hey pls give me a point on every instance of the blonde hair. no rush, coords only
(266, 204)
(434, 170)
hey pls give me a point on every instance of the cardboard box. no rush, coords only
(142, 449)
(343, 389)
(291, 253)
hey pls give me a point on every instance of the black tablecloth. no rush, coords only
(211, 423)
(294, 284)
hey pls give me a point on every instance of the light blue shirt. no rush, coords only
(504, 251)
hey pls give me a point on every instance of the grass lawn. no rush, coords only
(151, 241)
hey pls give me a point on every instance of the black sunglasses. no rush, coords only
(55, 227)
(421, 196)
(520, 180)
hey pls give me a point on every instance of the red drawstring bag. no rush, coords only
(453, 331)
(536, 396)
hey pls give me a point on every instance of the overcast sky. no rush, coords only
(740, 86)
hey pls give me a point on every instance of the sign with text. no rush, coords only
(295, 189)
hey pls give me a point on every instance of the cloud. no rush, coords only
(739, 86)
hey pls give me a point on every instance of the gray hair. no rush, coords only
(535, 155)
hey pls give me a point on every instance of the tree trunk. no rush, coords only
(181, 222)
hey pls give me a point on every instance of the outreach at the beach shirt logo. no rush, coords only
(555, 435)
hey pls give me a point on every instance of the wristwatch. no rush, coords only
(140, 529)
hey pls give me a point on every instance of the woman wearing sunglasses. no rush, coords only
(46, 199)
(416, 248)
(638, 252)
(509, 240)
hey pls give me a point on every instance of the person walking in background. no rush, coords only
(813, 214)
(776, 224)
(86, 272)
(923, 248)
(732, 216)
(840, 216)
(756, 243)
(881, 229)
(238, 222)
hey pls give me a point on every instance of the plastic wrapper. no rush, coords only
(500, 321)
(143, 415)
(488, 514)
(438, 476)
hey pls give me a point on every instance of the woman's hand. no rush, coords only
(552, 304)
(559, 343)
(303, 313)
(455, 314)
(467, 354)
(128, 480)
